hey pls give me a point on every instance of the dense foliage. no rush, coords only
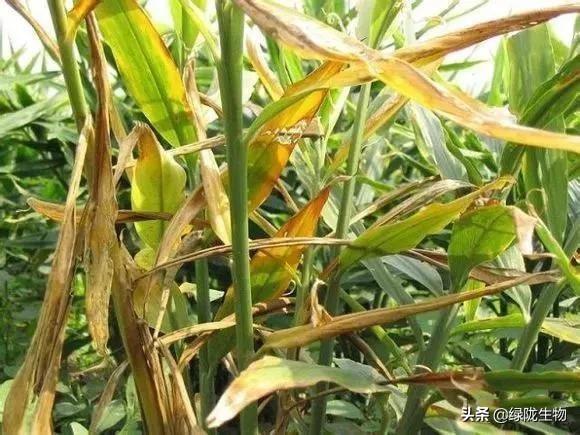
(277, 220)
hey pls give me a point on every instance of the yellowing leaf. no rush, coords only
(270, 374)
(148, 71)
(301, 336)
(273, 268)
(267, 76)
(406, 234)
(314, 39)
(218, 203)
(422, 53)
(28, 406)
(158, 185)
(56, 212)
(77, 14)
(100, 237)
(271, 148)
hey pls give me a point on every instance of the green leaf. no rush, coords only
(408, 233)
(184, 26)
(158, 185)
(531, 63)
(479, 236)
(513, 380)
(147, 69)
(14, 120)
(559, 328)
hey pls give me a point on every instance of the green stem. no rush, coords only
(379, 332)
(547, 298)
(70, 69)
(231, 29)
(414, 412)
(532, 329)
(206, 372)
(344, 215)
(302, 292)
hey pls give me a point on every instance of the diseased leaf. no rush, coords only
(313, 39)
(479, 236)
(433, 49)
(392, 238)
(158, 185)
(270, 374)
(28, 407)
(218, 203)
(100, 235)
(301, 336)
(148, 71)
(273, 268)
(270, 149)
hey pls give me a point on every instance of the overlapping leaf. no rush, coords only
(312, 39)
(28, 407)
(479, 236)
(406, 234)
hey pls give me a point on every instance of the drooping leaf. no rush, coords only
(479, 236)
(100, 235)
(158, 185)
(270, 374)
(261, 67)
(312, 39)
(303, 335)
(77, 14)
(32, 391)
(393, 238)
(151, 76)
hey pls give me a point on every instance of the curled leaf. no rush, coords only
(158, 184)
